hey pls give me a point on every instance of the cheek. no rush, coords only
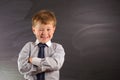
(51, 33)
(37, 33)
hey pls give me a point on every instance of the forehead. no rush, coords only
(40, 25)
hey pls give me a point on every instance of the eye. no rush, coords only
(40, 29)
(48, 29)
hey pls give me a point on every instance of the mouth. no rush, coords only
(44, 37)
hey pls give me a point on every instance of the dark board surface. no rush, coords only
(89, 30)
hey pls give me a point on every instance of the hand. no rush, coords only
(30, 60)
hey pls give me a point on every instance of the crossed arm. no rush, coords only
(36, 65)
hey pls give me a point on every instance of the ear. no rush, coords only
(33, 30)
(54, 28)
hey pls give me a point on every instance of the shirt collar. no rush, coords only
(47, 43)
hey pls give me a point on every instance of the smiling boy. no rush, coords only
(29, 64)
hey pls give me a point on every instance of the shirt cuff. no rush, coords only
(36, 61)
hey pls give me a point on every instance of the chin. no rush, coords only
(44, 41)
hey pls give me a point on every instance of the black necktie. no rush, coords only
(41, 76)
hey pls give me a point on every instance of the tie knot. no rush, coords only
(41, 45)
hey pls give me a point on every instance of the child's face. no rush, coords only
(43, 32)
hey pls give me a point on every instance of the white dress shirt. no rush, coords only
(51, 64)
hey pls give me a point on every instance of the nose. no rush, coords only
(44, 32)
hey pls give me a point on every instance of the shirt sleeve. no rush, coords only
(51, 63)
(24, 66)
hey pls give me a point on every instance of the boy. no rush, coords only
(47, 66)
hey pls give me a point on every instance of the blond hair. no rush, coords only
(44, 17)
